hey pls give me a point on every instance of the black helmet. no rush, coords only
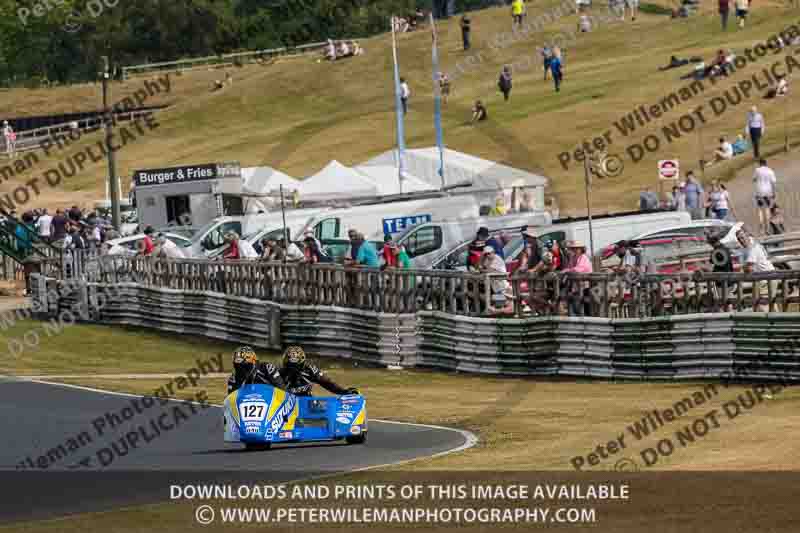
(294, 357)
(244, 360)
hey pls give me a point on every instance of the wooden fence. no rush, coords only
(459, 293)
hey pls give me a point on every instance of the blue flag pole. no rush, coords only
(401, 137)
(437, 100)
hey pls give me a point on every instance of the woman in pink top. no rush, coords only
(578, 260)
(579, 300)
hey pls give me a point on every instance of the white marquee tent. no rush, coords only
(423, 163)
(265, 180)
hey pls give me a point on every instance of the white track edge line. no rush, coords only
(470, 439)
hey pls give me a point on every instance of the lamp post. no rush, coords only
(588, 182)
(113, 185)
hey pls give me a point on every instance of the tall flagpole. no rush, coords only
(437, 100)
(401, 138)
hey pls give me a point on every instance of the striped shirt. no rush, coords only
(755, 120)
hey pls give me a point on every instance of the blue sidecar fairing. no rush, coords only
(260, 415)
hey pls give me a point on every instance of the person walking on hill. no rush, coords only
(405, 92)
(755, 128)
(465, 29)
(517, 11)
(444, 87)
(764, 181)
(547, 58)
(742, 7)
(504, 83)
(694, 196)
(556, 68)
(724, 11)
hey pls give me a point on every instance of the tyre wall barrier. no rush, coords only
(743, 345)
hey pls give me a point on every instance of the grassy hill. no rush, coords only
(298, 114)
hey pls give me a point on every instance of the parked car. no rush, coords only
(129, 245)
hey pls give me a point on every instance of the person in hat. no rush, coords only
(578, 262)
(531, 255)
(491, 263)
(313, 251)
(475, 249)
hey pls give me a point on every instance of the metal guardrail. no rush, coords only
(183, 65)
(743, 346)
(32, 139)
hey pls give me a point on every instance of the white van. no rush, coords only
(378, 219)
(206, 240)
(428, 242)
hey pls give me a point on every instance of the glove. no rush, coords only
(352, 390)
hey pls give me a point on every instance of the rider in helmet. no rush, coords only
(300, 375)
(248, 370)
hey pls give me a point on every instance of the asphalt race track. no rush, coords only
(60, 454)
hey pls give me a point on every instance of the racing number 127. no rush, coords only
(253, 410)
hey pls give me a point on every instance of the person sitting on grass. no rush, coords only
(741, 145)
(780, 90)
(723, 153)
(478, 112)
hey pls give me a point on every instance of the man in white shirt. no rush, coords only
(405, 92)
(43, 225)
(246, 250)
(756, 260)
(764, 180)
(167, 248)
(293, 252)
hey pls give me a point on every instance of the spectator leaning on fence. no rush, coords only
(167, 248)
(395, 256)
(232, 251)
(146, 245)
(290, 252)
(491, 263)
(579, 263)
(756, 260)
(764, 181)
(367, 255)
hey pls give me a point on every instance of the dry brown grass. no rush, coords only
(299, 114)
